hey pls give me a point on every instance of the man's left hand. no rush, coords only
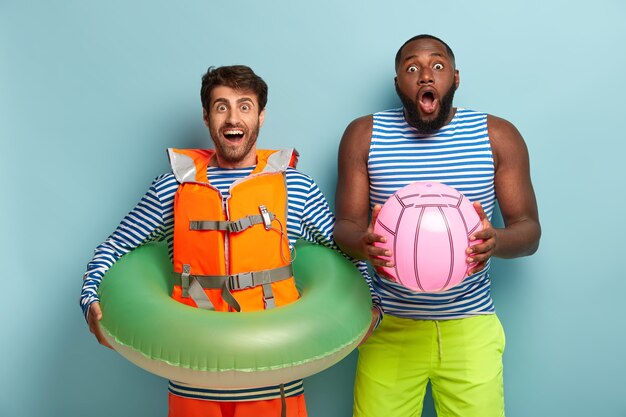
(485, 242)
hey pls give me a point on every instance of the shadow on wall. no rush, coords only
(81, 367)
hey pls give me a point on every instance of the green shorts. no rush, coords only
(461, 358)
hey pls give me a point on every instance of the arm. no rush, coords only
(516, 199)
(354, 231)
(318, 225)
(146, 222)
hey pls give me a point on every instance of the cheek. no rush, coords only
(251, 121)
(402, 80)
(215, 121)
(214, 127)
(447, 78)
(407, 84)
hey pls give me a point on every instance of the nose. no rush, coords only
(233, 116)
(426, 76)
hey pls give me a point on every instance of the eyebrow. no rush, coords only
(241, 100)
(437, 54)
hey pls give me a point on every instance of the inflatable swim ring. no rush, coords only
(234, 350)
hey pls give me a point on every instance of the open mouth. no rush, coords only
(428, 102)
(233, 133)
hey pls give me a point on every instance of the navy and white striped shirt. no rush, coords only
(458, 155)
(308, 217)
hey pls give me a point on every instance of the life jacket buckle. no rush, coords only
(268, 296)
(241, 281)
(267, 220)
(239, 225)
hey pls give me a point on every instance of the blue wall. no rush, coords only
(91, 93)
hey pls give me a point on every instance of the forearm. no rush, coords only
(150, 220)
(362, 267)
(105, 255)
(518, 239)
(320, 226)
(349, 237)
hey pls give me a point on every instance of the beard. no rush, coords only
(235, 154)
(413, 117)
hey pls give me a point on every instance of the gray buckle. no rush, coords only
(268, 296)
(241, 281)
(184, 279)
(267, 220)
(239, 225)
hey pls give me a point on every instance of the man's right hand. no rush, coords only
(377, 255)
(93, 318)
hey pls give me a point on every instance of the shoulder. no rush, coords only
(165, 180)
(297, 178)
(359, 128)
(506, 140)
(499, 126)
(300, 183)
(502, 131)
(165, 184)
(356, 139)
(296, 174)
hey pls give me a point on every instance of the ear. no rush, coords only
(457, 79)
(205, 117)
(261, 117)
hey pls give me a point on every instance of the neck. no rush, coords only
(246, 162)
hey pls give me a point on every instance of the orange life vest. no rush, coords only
(232, 253)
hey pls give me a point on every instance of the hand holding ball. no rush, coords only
(427, 226)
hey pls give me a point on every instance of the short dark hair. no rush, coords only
(238, 77)
(423, 36)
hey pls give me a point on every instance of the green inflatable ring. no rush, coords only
(234, 350)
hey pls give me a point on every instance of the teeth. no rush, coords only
(233, 132)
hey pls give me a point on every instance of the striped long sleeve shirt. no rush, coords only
(309, 218)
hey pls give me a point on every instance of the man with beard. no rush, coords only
(453, 338)
(189, 209)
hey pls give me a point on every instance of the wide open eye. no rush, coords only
(412, 68)
(221, 108)
(438, 66)
(245, 107)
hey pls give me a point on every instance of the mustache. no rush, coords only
(413, 117)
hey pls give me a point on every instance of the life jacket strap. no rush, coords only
(268, 296)
(234, 226)
(192, 283)
(184, 279)
(283, 401)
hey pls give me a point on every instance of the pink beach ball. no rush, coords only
(427, 226)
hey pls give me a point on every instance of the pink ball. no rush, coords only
(427, 226)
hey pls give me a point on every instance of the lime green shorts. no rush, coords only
(461, 358)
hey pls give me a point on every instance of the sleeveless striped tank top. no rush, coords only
(458, 155)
